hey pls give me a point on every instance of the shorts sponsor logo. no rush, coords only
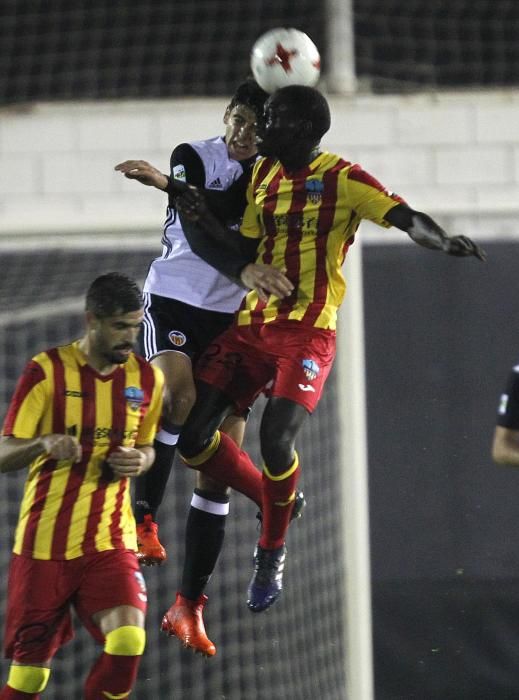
(177, 338)
(311, 369)
(134, 396)
(503, 404)
(142, 585)
(306, 387)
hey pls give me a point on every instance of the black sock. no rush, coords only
(150, 487)
(204, 537)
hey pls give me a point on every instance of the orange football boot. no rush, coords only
(149, 549)
(184, 620)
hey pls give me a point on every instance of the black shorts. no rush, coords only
(172, 325)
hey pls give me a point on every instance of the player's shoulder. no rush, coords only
(264, 164)
(60, 354)
(327, 161)
(215, 146)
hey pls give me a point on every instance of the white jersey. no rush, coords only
(180, 274)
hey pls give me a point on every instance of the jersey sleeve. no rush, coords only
(150, 421)
(186, 166)
(28, 403)
(508, 410)
(228, 205)
(368, 197)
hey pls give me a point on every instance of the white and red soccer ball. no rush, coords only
(282, 57)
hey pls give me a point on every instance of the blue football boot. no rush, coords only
(267, 580)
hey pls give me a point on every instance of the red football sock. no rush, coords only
(278, 503)
(111, 674)
(8, 693)
(234, 467)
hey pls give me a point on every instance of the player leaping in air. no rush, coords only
(187, 304)
(304, 208)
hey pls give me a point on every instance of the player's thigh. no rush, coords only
(38, 620)
(304, 362)
(235, 364)
(101, 605)
(234, 427)
(179, 385)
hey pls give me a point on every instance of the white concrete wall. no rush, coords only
(449, 154)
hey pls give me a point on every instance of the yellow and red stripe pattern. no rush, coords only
(68, 510)
(306, 222)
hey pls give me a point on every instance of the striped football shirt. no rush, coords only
(306, 222)
(67, 509)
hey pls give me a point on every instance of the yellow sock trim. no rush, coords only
(128, 640)
(289, 500)
(115, 696)
(286, 474)
(28, 679)
(205, 454)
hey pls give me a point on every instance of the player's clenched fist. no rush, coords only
(60, 446)
(127, 461)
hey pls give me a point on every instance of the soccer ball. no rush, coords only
(284, 57)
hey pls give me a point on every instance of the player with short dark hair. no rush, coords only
(304, 208)
(82, 419)
(188, 304)
(505, 445)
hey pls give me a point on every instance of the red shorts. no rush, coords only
(286, 359)
(41, 593)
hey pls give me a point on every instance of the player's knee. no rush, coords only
(128, 640)
(277, 449)
(192, 440)
(28, 679)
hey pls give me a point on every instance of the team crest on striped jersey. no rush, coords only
(314, 190)
(310, 368)
(134, 396)
(177, 338)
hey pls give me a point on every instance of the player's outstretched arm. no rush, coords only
(143, 172)
(427, 233)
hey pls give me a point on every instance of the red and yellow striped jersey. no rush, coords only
(67, 509)
(306, 221)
